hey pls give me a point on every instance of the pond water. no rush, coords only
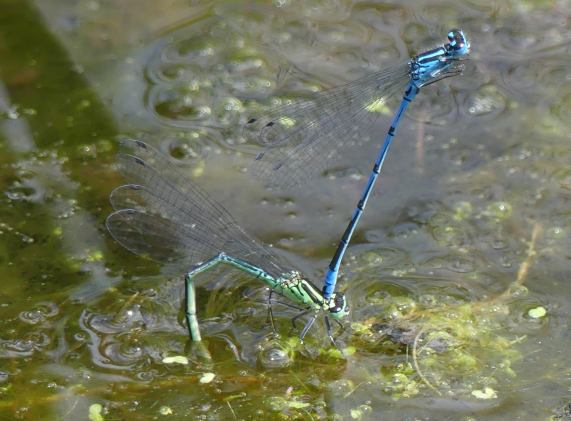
(457, 277)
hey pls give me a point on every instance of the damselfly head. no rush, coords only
(338, 307)
(459, 44)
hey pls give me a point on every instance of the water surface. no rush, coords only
(467, 232)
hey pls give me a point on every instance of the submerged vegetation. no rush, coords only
(453, 349)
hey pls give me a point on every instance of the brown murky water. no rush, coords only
(457, 277)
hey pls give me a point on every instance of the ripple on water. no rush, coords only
(171, 72)
(447, 231)
(41, 312)
(23, 190)
(331, 10)
(147, 375)
(333, 34)
(199, 50)
(357, 47)
(191, 147)
(437, 107)
(485, 102)
(196, 73)
(122, 354)
(184, 105)
(24, 346)
(521, 77)
(374, 293)
(432, 15)
(542, 77)
(384, 257)
(273, 354)
(517, 38)
(452, 262)
(533, 33)
(123, 342)
(404, 230)
(227, 110)
(106, 324)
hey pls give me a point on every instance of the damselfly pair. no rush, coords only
(165, 216)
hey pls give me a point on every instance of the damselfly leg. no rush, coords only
(446, 75)
(271, 301)
(300, 315)
(310, 323)
(307, 326)
(329, 331)
(270, 311)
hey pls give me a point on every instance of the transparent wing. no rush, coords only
(301, 137)
(164, 216)
(147, 235)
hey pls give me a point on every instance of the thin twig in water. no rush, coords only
(416, 366)
(525, 265)
(354, 389)
(524, 268)
(308, 414)
(121, 313)
(232, 410)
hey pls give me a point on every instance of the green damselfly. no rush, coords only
(163, 215)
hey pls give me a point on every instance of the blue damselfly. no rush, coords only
(165, 216)
(301, 137)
